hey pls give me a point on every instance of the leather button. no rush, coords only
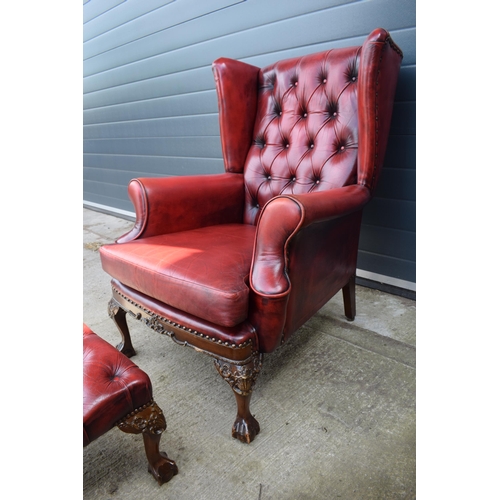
(324, 80)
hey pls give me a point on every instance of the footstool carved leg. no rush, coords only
(242, 378)
(150, 421)
(119, 316)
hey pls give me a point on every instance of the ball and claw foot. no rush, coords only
(245, 429)
(164, 469)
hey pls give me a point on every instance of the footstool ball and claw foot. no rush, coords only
(116, 392)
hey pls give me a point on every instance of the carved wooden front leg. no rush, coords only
(242, 378)
(150, 421)
(118, 315)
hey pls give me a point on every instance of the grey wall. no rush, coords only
(150, 107)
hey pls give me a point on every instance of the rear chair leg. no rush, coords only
(150, 421)
(242, 378)
(349, 294)
(118, 315)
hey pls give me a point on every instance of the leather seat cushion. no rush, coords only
(203, 272)
(113, 386)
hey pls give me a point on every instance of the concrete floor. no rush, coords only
(336, 406)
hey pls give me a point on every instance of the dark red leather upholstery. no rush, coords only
(113, 386)
(232, 264)
(212, 200)
(306, 129)
(269, 242)
(203, 272)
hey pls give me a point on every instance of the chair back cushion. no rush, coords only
(306, 128)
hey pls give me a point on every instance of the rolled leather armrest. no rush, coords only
(171, 204)
(325, 205)
(281, 218)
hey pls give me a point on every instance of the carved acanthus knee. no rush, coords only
(113, 308)
(149, 418)
(241, 378)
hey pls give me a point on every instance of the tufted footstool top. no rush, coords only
(113, 386)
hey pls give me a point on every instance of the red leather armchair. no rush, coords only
(232, 264)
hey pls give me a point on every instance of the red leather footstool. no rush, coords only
(117, 392)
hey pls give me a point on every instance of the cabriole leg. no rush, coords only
(150, 421)
(349, 294)
(118, 315)
(242, 378)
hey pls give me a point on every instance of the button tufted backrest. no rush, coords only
(306, 128)
(308, 124)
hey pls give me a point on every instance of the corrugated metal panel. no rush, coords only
(150, 106)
